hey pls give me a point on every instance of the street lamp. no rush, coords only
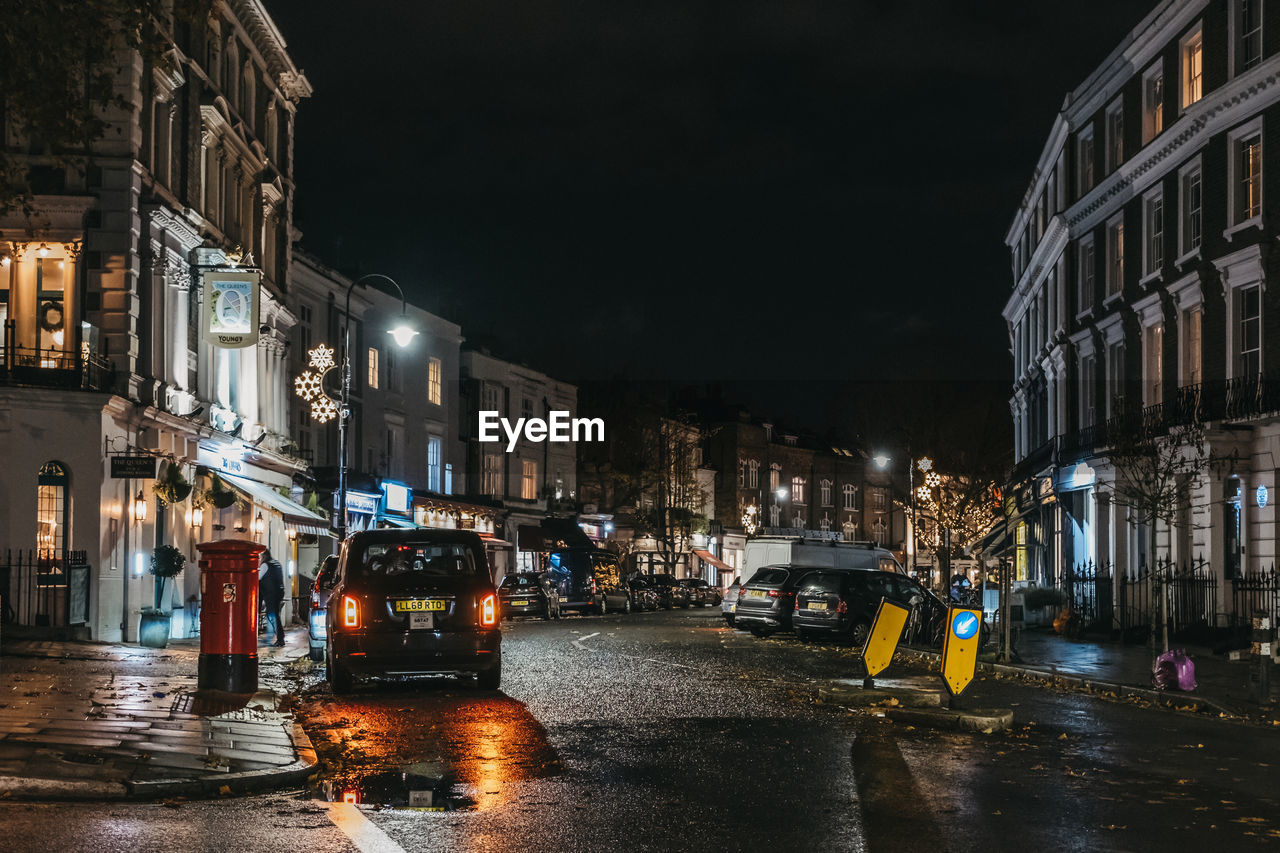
(139, 508)
(782, 494)
(258, 525)
(402, 334)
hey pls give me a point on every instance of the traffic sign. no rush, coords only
(882, 641)
(960, 648)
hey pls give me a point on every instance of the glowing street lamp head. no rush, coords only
(782, 494)
(402, 335)
(139, 508)
(881, 460)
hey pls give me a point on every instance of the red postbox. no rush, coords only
(229, 615)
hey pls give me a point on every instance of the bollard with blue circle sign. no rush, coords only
(960, 650)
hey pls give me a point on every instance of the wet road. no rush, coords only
(667, 731)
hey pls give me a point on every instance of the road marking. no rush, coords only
(578, 642)
(363, 834)
(664, 662)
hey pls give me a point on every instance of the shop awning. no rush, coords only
(490, 542)
(708, 557)
(995, 542)
(391, 521)
(296, 516)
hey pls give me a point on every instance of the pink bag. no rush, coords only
(1174, 671)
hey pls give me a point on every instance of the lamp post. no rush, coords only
(402, 334)
(882, 461)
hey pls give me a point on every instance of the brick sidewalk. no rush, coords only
(95, 720)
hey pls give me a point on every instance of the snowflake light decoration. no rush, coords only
(924, 495)
(925, 463)
(307, 385)
(323, 409)
(933, 480)
(321, 358)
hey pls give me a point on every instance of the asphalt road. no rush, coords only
(667, 731)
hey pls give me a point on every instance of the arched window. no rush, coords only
(51, 507)
(850, 495)
(775, 515)
(797, 489)
(826, 492)
(753, 473)
(850, 528)
(248, 91)
(798, 521)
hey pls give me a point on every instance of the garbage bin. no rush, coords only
(229, 615)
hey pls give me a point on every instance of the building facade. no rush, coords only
(1141, 257)
(100, 297)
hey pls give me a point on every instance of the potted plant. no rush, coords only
(153, 630)
(172, 488)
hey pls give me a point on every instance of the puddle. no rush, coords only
(406, 788)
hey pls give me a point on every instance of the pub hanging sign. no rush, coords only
(231, 307)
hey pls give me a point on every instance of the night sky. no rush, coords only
(785, 197)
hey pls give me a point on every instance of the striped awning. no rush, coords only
(295, 515)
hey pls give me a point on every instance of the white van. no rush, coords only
(818, 553)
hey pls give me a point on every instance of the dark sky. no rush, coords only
(769, 194)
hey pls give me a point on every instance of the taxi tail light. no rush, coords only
(350, 612)
(489, 610)
(842, 606)
(773, 593)
(797, 607)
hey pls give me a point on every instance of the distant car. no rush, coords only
(766, 602)
(699, 592)
(643, 595)
(589, 580)
(840, 603)
(670, 593)
(320, 591)
(528, 594)
(730, 601)
(413, 602)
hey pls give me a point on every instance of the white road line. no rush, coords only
(363, 834)
(578, 642)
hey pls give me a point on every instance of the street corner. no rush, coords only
(906, 692)
(979, 720)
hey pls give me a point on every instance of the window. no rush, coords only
(775, 477)
(492, 398)
(1154, 364)
(1191, 200)
(1088, 268)
(492, 479)
(448, 478)
(877, 499)
(797, 521)
(775, 515)
(373, 367)
(1115, 379)
(304, 328)
(529, 480)
(1153, 223)
(850, 529)
(1088, 398)
(880, 531)
(850, 496)
(433, 463)
(1115, 257)
(1247, 202)
(433, 381)
(1192, 67)
(1249, 361)
(825, 523)
(797, 489)
(825, 488)
(51, 508)
(1084, 162)
(1115, 136)
(1191, 346)
(1152, 103)
(753, 473)
(1248, 28)
(742, 473)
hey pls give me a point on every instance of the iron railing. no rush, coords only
(45, 587)
(52, 368)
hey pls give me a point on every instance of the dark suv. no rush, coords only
(528, 594)
(413, 602)
(589, 580)
(765, 603)
(670, 593)
(700, 593)
(844, 603)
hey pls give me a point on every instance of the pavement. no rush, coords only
(118, 721)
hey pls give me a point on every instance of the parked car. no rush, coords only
(528, 594)
(844, 603)
(589, 580)
(670, 593)
(413, 602)
(730, 601)
(766, 602)
(643, 595)
(321, 589)
(699, 592)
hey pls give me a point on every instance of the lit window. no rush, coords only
(825, 487)
(1152, 103)
(1155, 364)
(373, 367)
(775, 477)
(433, 463)
(797, 490)
(1248, 200)
(434, 372)
(492, 475)
(529, 480)
(1192, 68)
(1191, 218)
(1191, 346)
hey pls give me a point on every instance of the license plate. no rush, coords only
(733, 607)
(519, 604)
(755, 593)
(422, 621)
(817, 605)
(420, 604)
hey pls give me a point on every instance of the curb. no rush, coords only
(235, 784)
(908, 697)
(1081, 684)
(985, 721)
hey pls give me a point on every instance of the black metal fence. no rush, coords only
(45, 588)
(53, 368)
(1088, 590)
(1256, 592)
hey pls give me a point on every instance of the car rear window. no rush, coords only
(824, 582)
(518, 580)
(427, 559)
(770, 576)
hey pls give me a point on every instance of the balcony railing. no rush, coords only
(50, 368)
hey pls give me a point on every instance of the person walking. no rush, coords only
(271, 593)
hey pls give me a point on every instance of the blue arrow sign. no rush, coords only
(964, 625)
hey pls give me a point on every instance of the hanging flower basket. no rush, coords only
(219, 494)
(172, 488)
